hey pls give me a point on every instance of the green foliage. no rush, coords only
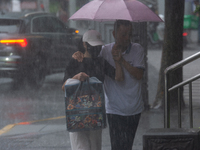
(197, 10)
(54, 6)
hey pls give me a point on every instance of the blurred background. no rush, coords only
(63, 9)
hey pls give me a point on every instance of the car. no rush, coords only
(33, 45)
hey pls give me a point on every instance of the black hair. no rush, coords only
(80, 46)
(118, 23)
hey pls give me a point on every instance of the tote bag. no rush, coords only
(84, 105)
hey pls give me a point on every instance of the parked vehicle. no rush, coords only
(155, 34)
(33, 45)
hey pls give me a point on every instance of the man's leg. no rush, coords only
(122, 131)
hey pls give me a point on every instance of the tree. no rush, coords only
(172, 50)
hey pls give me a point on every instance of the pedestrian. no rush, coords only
(124, 103)
(90, 66)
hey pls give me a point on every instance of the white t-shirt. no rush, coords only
(124, 97)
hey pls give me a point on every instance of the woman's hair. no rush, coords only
(93, 50)
(80, 46)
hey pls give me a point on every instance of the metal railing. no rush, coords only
(179, 86)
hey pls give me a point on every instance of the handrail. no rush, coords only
(184, 82)
(182, 62)
(167, 101)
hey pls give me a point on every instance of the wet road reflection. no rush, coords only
(27, 104)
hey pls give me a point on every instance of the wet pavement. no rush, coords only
(50, 133)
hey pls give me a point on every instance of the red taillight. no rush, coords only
(185, 34)
(22, 42)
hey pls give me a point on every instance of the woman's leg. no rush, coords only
(96, 139)
(80, 140)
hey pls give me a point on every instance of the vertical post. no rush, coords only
(140, 36)
(179, 107)
(143, 42)
(72, 10)
(166, 103)
(190, 105)
(46, 5)
(16, 6)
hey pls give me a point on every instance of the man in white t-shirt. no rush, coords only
(124, 102)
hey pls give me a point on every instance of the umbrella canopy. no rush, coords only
(111, 10)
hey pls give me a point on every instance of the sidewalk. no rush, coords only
(51, 134)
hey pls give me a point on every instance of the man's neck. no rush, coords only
(124, 49)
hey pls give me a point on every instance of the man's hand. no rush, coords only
(81, 76)
(78, 56)
(116, 52)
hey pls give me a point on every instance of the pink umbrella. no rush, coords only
(111, 10)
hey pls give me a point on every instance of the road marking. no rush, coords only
(6, 128)
(10, 126)
(29, 122)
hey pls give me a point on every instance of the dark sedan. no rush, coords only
(33, 45)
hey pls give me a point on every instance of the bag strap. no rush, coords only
(88, 82)
(78, 88)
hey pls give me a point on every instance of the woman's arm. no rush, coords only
(82, 76)
(78, 56)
